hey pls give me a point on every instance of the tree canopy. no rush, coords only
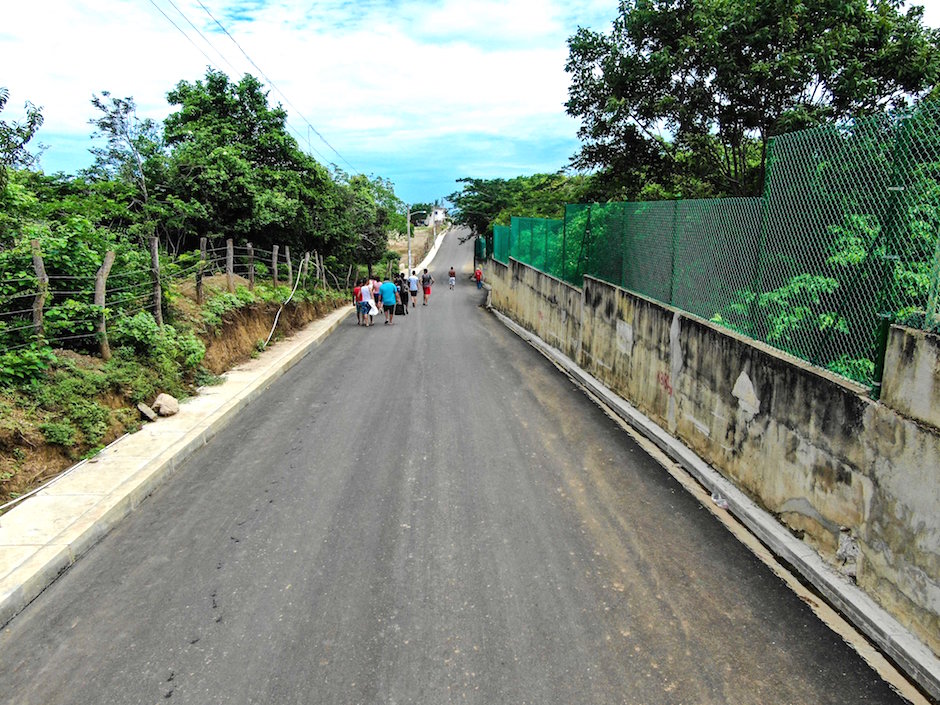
(681, 97)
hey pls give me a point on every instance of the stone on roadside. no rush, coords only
(147, 412)
(166, 405)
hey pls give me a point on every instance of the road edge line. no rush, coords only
(867, 616)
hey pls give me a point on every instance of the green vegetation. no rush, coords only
(681, 99)
(221, 166)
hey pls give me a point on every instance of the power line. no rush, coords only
(188, 38)
(234, 69)
(204, 37)
(274, 86)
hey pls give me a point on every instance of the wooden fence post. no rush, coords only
(290, 267)
(43, 291)
(155, 272)
(322, 268)
(230, 265)
(200, 295)
(251, 267)
(305, 266)
(101, 281)
(274, 264)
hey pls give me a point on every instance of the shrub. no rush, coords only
(20, 366)
(60, 433)
(139, 331)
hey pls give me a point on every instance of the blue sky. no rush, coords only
(418, 92)
(422, 93)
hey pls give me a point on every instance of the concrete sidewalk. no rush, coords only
(46, 533)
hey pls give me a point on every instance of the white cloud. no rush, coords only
(380, 80)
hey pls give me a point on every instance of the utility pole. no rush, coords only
(408, 230)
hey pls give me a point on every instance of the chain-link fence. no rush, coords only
(844, 241)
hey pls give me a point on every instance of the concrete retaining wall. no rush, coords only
(911, 382)
(547, 306)
(848, 474)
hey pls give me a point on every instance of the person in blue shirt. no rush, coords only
(390, 298)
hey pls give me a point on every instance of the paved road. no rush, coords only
(424, 513)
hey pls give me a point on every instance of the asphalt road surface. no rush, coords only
(424, 513)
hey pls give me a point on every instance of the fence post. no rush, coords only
(304, 265)
(40, 299)
(274, 249)
(101, 280)
(230, 265)
(933, 302)
(251, 267)
(322, 269)
(155, 272)
(290, 267)
(624, 238)
(564, 248)
(896, 223)
(672, 264)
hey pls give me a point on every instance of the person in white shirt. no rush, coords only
(413, 288)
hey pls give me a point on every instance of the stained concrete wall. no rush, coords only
(547, 306)
(829, 462)
(911, 382)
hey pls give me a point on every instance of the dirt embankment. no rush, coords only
(244, 329)
(27, 459)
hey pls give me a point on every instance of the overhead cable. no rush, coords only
(274, 86)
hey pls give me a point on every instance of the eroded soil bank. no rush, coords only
(28, 458)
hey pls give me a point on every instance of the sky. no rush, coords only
(415, 91)
(418, 92)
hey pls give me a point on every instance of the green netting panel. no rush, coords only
(534, 240)
(649, 248)
(851, 239)
(571, 267)
(845, 240)
(714, 246)
(501, 243)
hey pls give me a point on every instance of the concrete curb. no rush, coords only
(43, 536)
(911, 655)
(429, 257)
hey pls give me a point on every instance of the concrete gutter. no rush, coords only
(426, 262)
(911, 655)
(45, 534)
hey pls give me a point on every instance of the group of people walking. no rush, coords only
(389, 297)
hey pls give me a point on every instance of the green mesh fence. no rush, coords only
(844, 241)
(501, 243)
(536, 241)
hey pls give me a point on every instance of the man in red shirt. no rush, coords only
(357, 301)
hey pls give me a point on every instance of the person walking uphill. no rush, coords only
(390, 298)
(365, 292)
(426, 281)
(413, 288)
(452, 277)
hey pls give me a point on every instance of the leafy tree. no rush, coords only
(14, 136)
(687, 93)
(234, 169)
(482, 202)
(130, 142)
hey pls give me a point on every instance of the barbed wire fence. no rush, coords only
(74, 311)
